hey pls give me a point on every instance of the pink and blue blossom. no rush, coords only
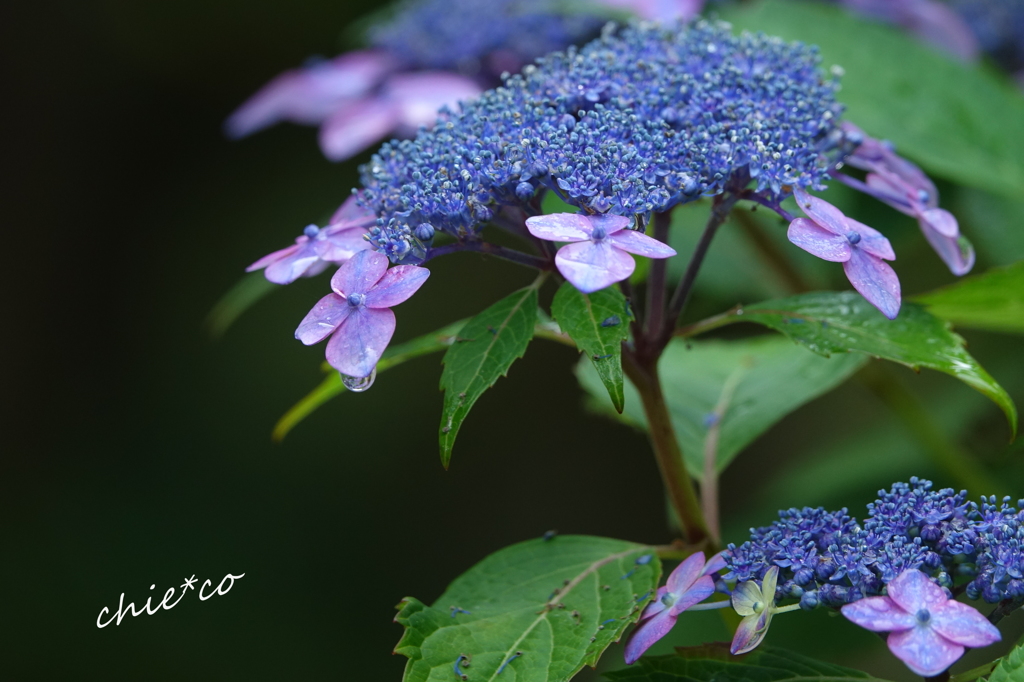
(687, 585)
(929, 630)
(832, 236)
(597, 254)
(357, 315)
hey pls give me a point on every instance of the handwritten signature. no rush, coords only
(165, 603)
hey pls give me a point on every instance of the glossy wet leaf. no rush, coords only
(598, 323)
(993, 300)
(712, 663)
(394, 355)
(486, 348)
(1010, 668)
(558, 603)
(839, 322)
(958, 121)
(739, 388)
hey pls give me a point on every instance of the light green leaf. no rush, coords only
(958, 121)
(557, 604)
(486, 348)
(1010, 668)
(840, 322)
(394, 355)
(246, 292)
(712, 662)
(994, 300)
(732, 391)
(598, 323)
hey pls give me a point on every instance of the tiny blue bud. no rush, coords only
(598, 234)
(809, 600)
(425, 232)
(311, 231)
(355, 300)
(923, 616)
(524, 191)
(923, 196)
(853, 237)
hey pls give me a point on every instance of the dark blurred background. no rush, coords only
(137, 449)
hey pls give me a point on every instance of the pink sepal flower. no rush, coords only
(687, 585)
(832, 236)
(357, 315)
(316, 248)
(660, 10)
(929, 631)
(598, 253)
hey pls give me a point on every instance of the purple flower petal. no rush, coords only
(356, 126)
(656, 606)
(818, 241)
(310, 95)
(912, 590)
(276, 255)
(889, 188)
(876, 281)
(351, 213)
(329, 312)
(703, 588)
(360, 340)
(715, 564)
(560, 227)
(360, 273)
(593, 266)
(872, 241)
(290, 268)
(685, 574)
(646, 634)
(340, 244)
(823, 213)
(750, 633)
(962, 624)
(419, 96)
(944, 28)
(924, 651)
(940, 220)
(879, 614)
(640, 244)
(396, 286)
(956, 252)
(610, 222)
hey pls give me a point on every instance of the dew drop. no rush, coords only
(359, 384)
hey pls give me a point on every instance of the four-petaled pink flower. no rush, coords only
(862, 250)
(316, 248)
(359, 97)
(687, 585)
(598, 256)
(358, 312)
(929, 630)
(659, 10)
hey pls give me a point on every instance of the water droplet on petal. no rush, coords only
(359, 384)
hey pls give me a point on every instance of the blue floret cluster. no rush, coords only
(471, 36)
(828, 558)
(640, 120)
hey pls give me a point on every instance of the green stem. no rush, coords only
(667, 452)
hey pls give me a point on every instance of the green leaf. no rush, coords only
(1011, 667)
(246, 292)
(712, 662)
(486, 348)
(394, 355)
(559, 604)
(746, 385)
(958, 121)
(994, 300)
(598, 323)
(831, 322)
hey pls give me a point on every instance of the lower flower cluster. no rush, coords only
(829, 558)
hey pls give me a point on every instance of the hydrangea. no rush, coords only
(641, 120)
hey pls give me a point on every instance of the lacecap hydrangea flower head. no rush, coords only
(644, 119)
